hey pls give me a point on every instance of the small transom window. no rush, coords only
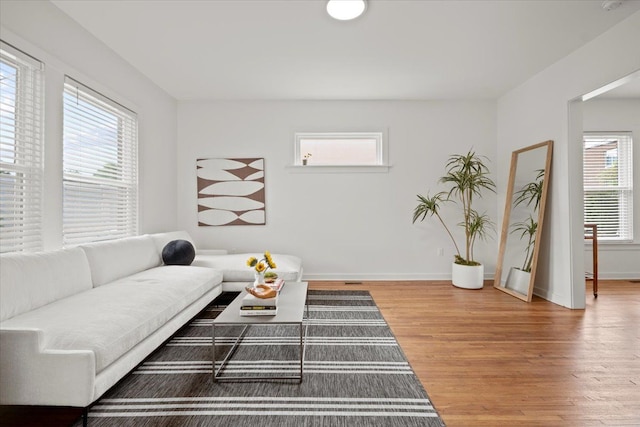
(339, 149)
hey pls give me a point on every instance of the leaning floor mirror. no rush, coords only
(523, 220)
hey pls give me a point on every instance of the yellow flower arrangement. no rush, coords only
(263, 264)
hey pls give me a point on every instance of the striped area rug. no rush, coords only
(355, 374)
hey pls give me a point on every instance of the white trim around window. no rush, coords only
(337, 152)
(21, 150)
(608, 185)
(100, 167)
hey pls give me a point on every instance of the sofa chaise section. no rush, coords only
(236, 274)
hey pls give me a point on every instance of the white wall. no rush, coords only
(43, 31)
(345, 226)
(540, 109)
(617, 261)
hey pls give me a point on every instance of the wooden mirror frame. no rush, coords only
(506, 220)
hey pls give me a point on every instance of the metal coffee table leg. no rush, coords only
(230, 354)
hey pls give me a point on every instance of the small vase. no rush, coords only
(304, 162)
(259, 278)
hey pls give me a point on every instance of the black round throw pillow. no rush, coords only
(178, 252)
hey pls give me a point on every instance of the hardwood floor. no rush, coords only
(488, 359)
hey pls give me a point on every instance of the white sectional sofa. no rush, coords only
(73, 322)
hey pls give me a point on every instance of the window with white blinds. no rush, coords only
(608, 184)
(100, 167)
(21, 167)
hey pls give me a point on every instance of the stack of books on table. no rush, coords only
(254, 306)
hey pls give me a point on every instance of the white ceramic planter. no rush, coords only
(518, 280)
(467, 276)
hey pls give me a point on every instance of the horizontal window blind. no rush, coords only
(608, 184)
(21, 163)
(100, 167)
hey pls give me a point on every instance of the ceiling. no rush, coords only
(291, 49)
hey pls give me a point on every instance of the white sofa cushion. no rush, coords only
(29, 281)
(112, 319)
(114, 259)
(234, 266)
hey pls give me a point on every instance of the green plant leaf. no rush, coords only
(467, 177)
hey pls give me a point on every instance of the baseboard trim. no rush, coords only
(543, 293)
(348, 277)
(604, 275)
(551, 297)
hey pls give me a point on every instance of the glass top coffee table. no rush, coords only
(292, 302)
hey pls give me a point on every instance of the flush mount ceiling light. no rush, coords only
(345, 10)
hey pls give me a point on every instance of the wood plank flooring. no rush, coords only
(489, 359)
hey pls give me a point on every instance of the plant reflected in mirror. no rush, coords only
(523, 219)
(528, 194)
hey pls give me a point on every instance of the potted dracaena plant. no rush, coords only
(467, 177)
(530, 194)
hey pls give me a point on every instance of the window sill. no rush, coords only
(614, 246)
(338, 169)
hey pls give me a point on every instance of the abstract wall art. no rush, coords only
(231, 192)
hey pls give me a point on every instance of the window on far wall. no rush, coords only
(21, 167)
(100, 167)
(608, 184)
(340, 149)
